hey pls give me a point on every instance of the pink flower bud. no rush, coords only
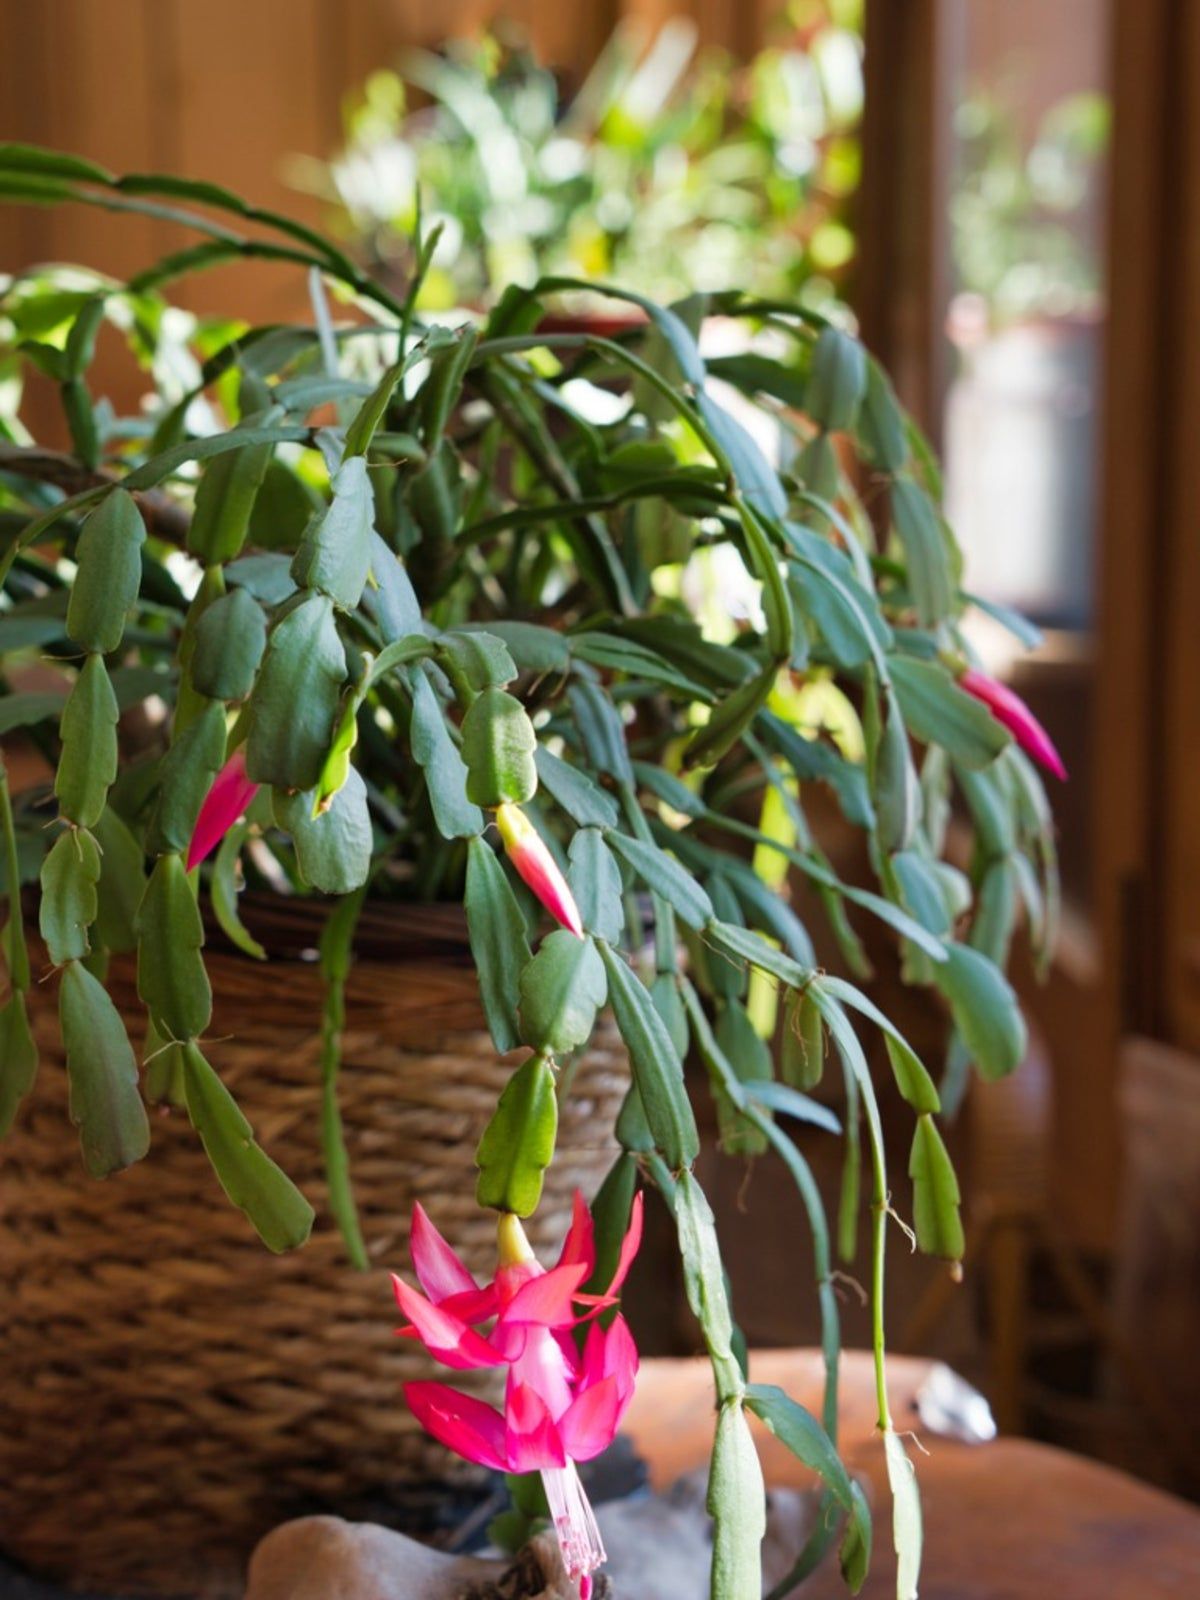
(227, 800)
(537, 867)
(1009, 709)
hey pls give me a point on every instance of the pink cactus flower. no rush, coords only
(528, 853)
(561, 1405)
(1016, 716)
(227, 800)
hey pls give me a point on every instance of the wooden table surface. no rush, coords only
(1010, 1520)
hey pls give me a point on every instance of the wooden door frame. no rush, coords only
(1146, 776)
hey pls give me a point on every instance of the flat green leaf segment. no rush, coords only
(325, 604)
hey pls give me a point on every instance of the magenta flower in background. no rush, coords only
(1016, 716)
(528, 852)
(561, 1406)
(227, 800)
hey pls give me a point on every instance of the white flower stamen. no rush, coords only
(574, 1523)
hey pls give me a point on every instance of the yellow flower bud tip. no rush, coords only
(512, 1247)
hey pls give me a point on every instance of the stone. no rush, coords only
(659, 1546)
(325, 1558)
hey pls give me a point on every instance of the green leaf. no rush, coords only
(625, 655)
(842, 613)
(187, 774)
(912, 1079)
(766, 909)
(881, 422)
(225, 501)
(855, 1553)
(230, 637)
(295, 702)
(907, 1531)
(601, 729)
(995, 912)
(18, 1058)
(938, 712)
(742, 944)
(276, 1209)
(446, 776)
(837, 381)
(171, 978)
(479, 659)
(105, 1103)
(449, 358)
(665, 786)
(223, 893)
(584, 801)
(790, 1102)
(499, 941)
(730, 719)
(817, 469)
(122, 882)
(34, 158)
(561, 990)
(280, 513)
(108, 559)
(922, 890)
(919, 529)
(26, 709)
(595, 881)
(663, 875)
(333, 848)
(518, 1143)
(267, 577)
(799, 1431)
(370, 414)
(498, 743)
(813, 761)
(88, 763)
(69, 877)
(657, 1069)
(704, 1275)
(753, 473)
(334, 557)
(985, 1010)
(532, 647)
(897, 790)
(738, 1137)
(737, 1503)
(935, 1193)
(390, 597)
(802, 1057)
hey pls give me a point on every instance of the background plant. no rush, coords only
(417, 572)
(670, 170)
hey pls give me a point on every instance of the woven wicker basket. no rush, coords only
(170, 1389)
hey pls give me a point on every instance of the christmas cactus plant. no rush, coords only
(570, 629)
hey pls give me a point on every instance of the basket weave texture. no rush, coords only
(170, 1389)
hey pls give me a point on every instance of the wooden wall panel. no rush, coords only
(227, 89)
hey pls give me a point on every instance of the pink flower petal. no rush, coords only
(629, 1245)
(464, 1424)
(532, 1440)
(1008, 708)
(580, 1243)
(590, 1423)
(227, 800)
(445, 1336)
(610, 1353)
(439, 1271)
(475, 1306)
(546, 1300)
